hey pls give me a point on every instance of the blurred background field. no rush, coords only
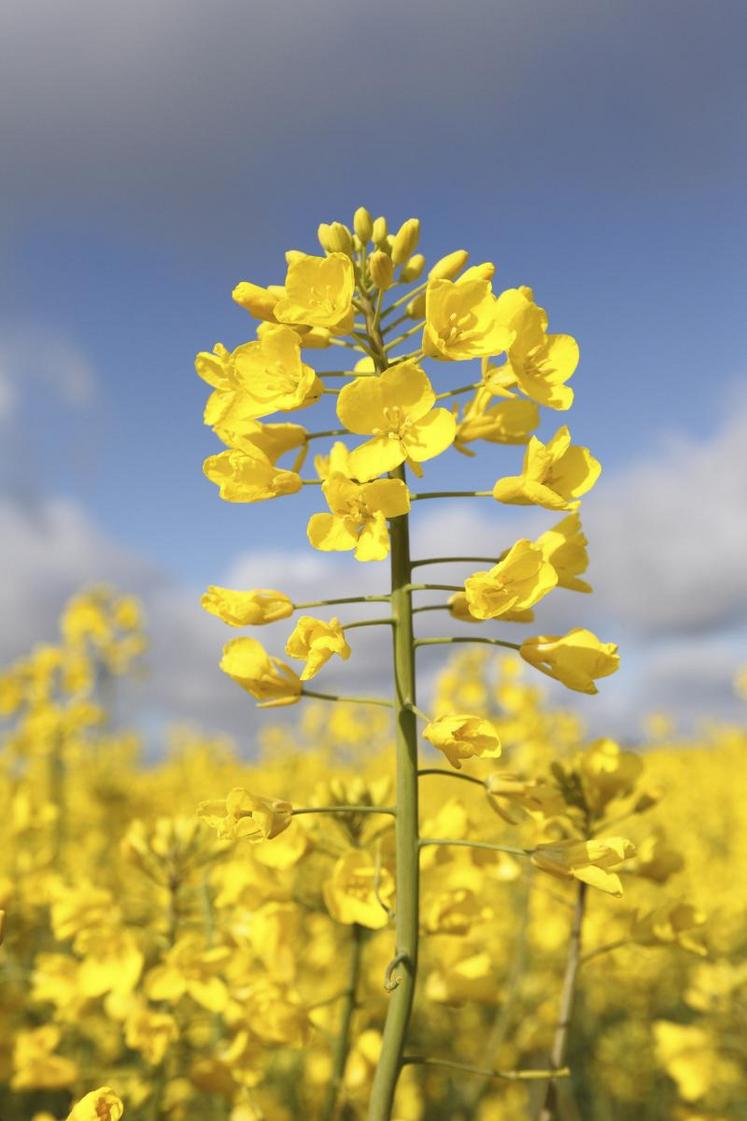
(202, 977)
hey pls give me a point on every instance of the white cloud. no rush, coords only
(36, 358)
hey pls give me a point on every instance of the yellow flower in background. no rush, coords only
(358, 891)
(358, 517)
(540, 363)
(316, 642)
(691, 1057)
(607, 772)
(565, 548)
(505, 422)
(554, 475)
(532, 795)
(677, 923)
(462, 737)
(318, 292)
(516, 583)
(657, 860)
(336, 462)
(591, 862)
(463, 320)
(254, 608)
(267, 679)
(243, 816)
(249, 476)
(151, 1031)
(36, 1066)
(575, 659)
(190, 968)
(397, 409)
(99, 1105)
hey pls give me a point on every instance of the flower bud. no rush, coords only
(379, 231)
(448, 267)
(412, 269)
(416, 307)
(483, 271)
(405, 240)
(335, 238)
(363, 224)
(382, 270)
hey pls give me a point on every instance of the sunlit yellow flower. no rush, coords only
(318, 292)
(657, 860)
(588, 861)
(505, 422)
(247, 609)
(607, 772)
(35, 1064)
(565, 547)
(249, 476)
(397, 409)
(462, 737)
(246, 816)
(358, 517)
(670, 924)
(358, 891)
(190, 968)
(259, 302)
(275, 440)
(532, 795)
(100, 1105)
(575, 659)
(463, 320)
(540, 363)
(151, 1031)
(316, 641)
(690, 1056)
(554, 475)
(267, 679)
(516, 583)
(459, 609)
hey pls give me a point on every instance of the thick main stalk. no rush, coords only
(406, 830)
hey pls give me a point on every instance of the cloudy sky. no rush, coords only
(156, 153)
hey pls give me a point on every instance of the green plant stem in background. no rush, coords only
(549, 1110)
(342, 1042)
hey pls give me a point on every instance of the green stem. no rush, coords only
(342, 1042)
(368, 623)
(342, 599)
(345, 810)
(452, 494)
(475, 845)
(329, 432)
(549, 1110)
(431, 607)
(454, 560)
(450, 774)
(459, 389)
(467, 638)
(510, 1075)
(404, 336)
(405, 299)
(607, 948)
(396, 323)
(346, 700)
(435, 587)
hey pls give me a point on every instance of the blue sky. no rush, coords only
(167, 150)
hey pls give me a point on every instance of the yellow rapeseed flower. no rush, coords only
(565, 548)
(359, 512)
(100, 1105)
(316, 641)
(254, 608)
(463, 737)
(588, 861)
(318, 292)
(358, 891)
(463, 320)
(554, 475)
(267, 679)
(516, 583)
(249, 476)
(575, 659)
(540, 363)
(246, 816)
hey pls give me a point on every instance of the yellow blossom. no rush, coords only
(254, 608)
(318, 292)
(554, 475)
(505, 422)
(540, 363)
(532, 795)
(575, 659)
(259, 302)
(462, 737)
(246, 816)
(190, 968)
(397, 409)
(267, 679)
(463, 320)
(459, 609)
(565, 548)
(358, 891)
(516, 583)
(670, 924)
(249, 476)
(99, 1105)
(588, 861)
(316, 642)
(358, 516)
(35, 1064)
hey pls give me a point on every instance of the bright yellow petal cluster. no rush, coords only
(100, 1105)
(516, 583)
(541, 364)
(246, 816)
(254, 608)
(396, 408)
(463, 737)
(575, 659)
(267, 679)
(463, 320)
(358, 518)
(316, 641)
(554, 475)
(249, 476)
(588, 861)
(565, 548)
(358, 891)
(505, 422)
(318, 292)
